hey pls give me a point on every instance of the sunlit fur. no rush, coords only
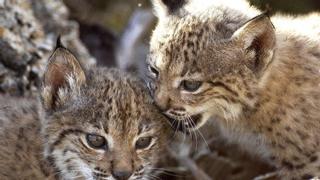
(49, 141)
(261, 78)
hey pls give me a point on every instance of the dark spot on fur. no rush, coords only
(296, 120)
(313, 158)
(302, 135)
(250, 95)
(304, 110)
(302, 99)
(194, 52)
(18, 147)
(287, 164)
(298, 83)
(269, 129)
(21, 133)
(190, 44)
(295, 158)
(65, 152)
(316, 54)
(68, 160)
(233, 100)
(275, 120)
(278, 134)
(283, 112)
(200, 32)
(288, 128)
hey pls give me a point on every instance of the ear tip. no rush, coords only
(59, 43)
(267, 13)
(265, 16)
(172, 5)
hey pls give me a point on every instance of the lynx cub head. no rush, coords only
(204, 66)
(98, 124)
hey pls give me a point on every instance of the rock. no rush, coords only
(28, 32)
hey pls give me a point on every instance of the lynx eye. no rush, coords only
(191, 86)
(96, 141)
(153, 71)
(143, 142)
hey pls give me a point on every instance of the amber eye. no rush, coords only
(96, 141)
(143, 142)
(191, 86)
(153, 71)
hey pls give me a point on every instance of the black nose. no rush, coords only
(121, 175)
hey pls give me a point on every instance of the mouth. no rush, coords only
(186, 124)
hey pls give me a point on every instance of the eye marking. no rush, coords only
(190, 85)
(143, 142)
(97, 142)
(153, 71)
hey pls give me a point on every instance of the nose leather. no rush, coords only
(121, 175)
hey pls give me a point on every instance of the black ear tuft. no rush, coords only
(59, 43)
(173, 5)
(62, 78)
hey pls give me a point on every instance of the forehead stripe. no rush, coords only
(220, 84)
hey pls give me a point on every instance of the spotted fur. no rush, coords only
(260, 78)
(49, 141)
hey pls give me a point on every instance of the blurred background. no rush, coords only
(115, 33)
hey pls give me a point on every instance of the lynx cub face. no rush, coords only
(98, 124)
(201, 67)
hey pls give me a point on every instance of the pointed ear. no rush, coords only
(167, 7)
(258, 39)
(62, 79)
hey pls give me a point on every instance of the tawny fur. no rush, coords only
(47, 139)
(261, 84)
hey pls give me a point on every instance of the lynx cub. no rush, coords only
(98, 124)
(258, 79)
